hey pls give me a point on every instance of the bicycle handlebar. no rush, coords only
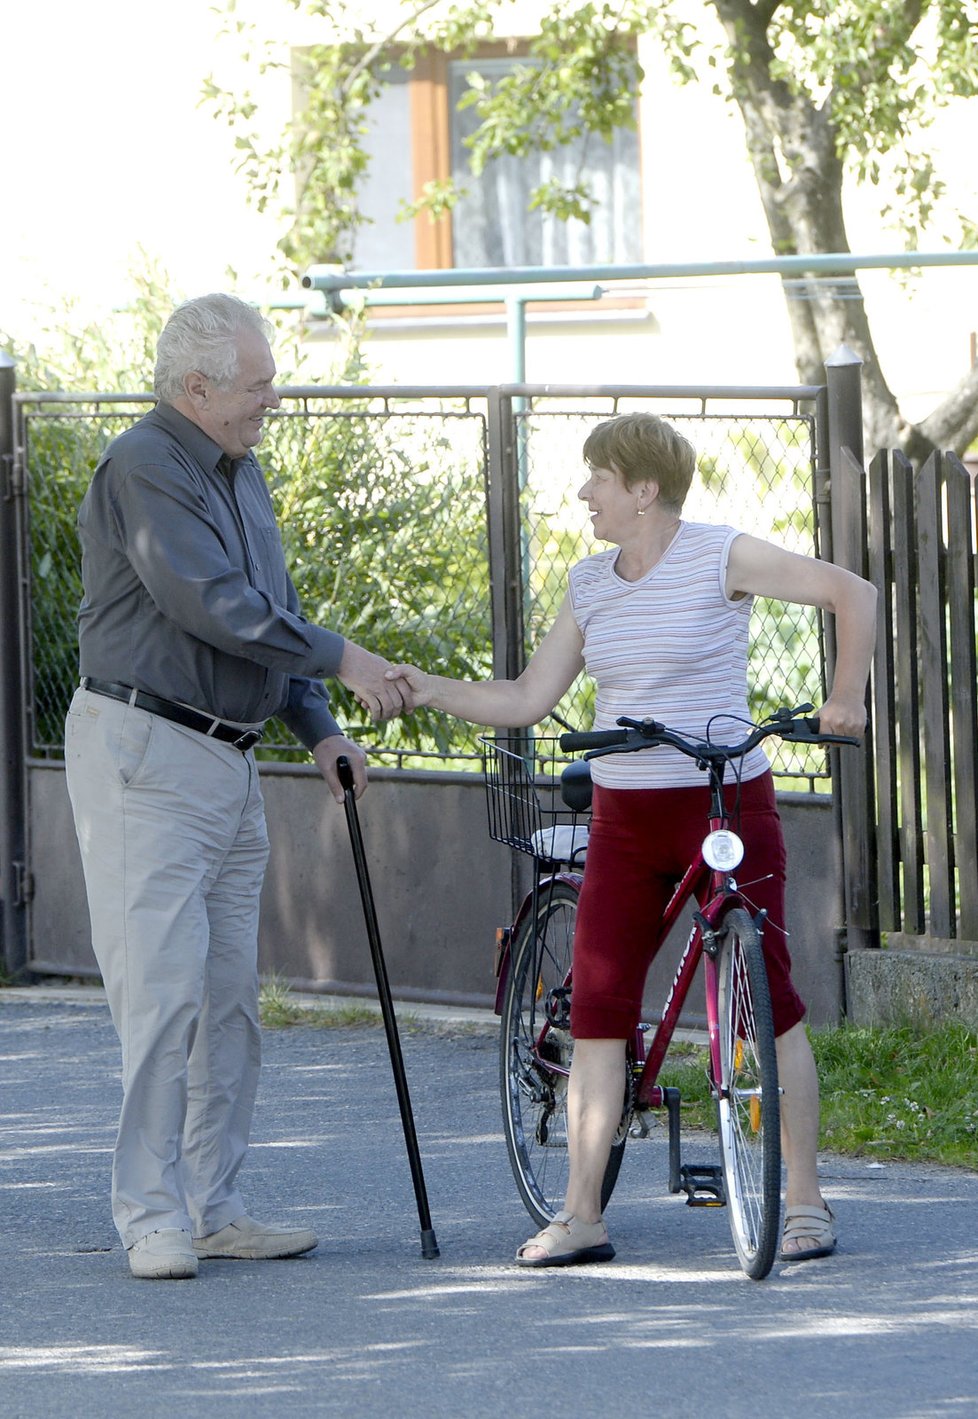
(645, 734)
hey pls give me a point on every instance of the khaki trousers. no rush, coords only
(171, 827)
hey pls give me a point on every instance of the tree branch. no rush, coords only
(376, 49)
(891, 34)
(954, 423)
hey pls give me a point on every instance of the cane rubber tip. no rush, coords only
(429, 1246)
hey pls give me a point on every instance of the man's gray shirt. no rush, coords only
(186, 592)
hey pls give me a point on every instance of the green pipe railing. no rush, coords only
(333, 278)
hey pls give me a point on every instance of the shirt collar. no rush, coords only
(190, 436)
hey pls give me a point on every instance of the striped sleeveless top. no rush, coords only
(672, 646)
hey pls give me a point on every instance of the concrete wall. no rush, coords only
(923, 981)
(441, 888)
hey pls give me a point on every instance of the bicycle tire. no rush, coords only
(748, 1104)
(535, 1055)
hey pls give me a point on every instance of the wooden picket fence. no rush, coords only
(921, 540)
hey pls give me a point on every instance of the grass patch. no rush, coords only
(900, 1093)
(280, 1010)
(897, 1094)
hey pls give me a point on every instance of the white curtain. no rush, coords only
(493, 224)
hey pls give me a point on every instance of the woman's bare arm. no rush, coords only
(760, 568)
(507, 704)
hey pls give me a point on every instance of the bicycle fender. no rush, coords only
(712, 910)
(507, 935)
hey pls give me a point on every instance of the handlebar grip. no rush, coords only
(592, 739)
(808, 731)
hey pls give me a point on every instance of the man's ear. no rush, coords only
(195, 387)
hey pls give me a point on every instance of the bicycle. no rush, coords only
(534, 959)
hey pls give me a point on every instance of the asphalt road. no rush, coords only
(365, 1326)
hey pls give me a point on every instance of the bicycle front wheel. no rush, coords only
(748, 1104)
(535, 1056)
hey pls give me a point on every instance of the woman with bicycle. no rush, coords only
(660, 622)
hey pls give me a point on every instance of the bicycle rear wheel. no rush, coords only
(748, 1106)
(535, 1056)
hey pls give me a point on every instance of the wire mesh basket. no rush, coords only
(522, 774)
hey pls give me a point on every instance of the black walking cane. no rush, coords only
(429, 1246)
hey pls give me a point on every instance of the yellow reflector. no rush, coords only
(755, 1114)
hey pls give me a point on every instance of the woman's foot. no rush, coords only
(809, 1232)
(567, 1241)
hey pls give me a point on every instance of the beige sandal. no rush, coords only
(815, 1222)
(568, 1241)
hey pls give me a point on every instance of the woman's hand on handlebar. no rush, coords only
(840, 716)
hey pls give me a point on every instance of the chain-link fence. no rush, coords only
(385, 512)
(755, 471)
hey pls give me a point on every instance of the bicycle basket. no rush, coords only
(522, 775)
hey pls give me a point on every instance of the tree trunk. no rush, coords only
(792, 147)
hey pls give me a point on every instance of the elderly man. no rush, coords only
(190, 637)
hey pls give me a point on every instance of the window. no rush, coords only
(417, 134)
(493, 224)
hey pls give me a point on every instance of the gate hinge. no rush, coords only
(13, 481)
(23, 884)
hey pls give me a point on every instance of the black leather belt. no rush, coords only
(242, 739)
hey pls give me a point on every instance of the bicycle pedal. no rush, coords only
(702, 1184)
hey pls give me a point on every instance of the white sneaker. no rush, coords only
(248, 1240)
(166, 1255)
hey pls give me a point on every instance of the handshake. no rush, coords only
(384, 690)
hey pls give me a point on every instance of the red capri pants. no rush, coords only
(642, 840)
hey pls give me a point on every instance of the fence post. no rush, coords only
(506, 567)
(13, 921)
(505, 560)
(853, 772)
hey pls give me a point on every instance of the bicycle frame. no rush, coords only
(650, 1054)
(715, 891)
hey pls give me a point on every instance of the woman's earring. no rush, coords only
(640, 511)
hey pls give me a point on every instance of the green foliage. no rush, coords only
(886, 1093)
(71, 354)
(882, 71)
(384, 522)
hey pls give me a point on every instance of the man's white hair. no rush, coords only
(201, 334)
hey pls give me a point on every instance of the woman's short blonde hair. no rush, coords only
(644, 448)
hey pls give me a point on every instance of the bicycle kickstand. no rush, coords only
(701, 1182)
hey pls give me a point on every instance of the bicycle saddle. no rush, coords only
(575, 786)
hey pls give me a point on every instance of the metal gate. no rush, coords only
(435, 525)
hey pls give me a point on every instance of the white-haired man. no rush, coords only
(190, 638)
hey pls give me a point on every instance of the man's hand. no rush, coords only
(337, 746)
(364, 673)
